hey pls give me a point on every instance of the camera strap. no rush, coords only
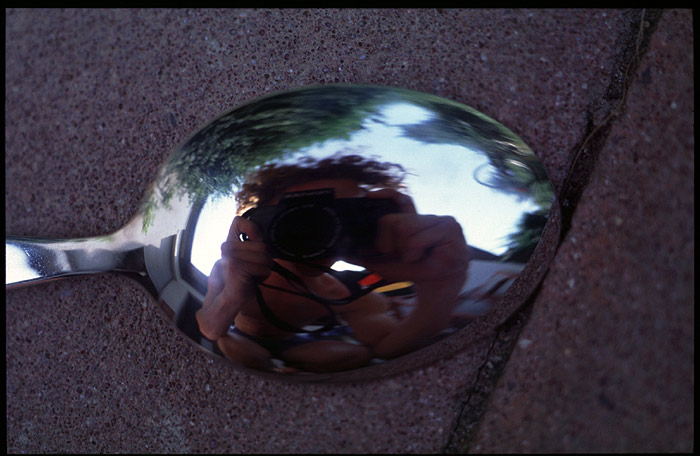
(357, 289)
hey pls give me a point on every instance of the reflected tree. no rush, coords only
(217, 158)
(513, 168)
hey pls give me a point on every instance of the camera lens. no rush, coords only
(306, 231)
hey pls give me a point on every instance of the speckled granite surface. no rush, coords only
(96, 99)
(606, 362)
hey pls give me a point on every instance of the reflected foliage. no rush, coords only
(522, 243)
(219, 157)
(513, 167)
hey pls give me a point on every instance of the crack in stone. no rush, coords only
(465, 424)
(634, 41)
(473, 407)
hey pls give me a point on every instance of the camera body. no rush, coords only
(313, 224)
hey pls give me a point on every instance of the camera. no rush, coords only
(313, 224)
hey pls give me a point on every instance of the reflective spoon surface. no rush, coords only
(446, 165)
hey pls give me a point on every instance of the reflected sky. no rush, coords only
(440, 181)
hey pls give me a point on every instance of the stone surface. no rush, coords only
(606, 362)
(95, 101)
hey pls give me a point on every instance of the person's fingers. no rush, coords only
(242, 225)
(216, 278)
(232, 279)
(404, 202)
(406, 235)
(419, 247)
(215, 284)
(234, 249)
(247, 259)
(434, 234)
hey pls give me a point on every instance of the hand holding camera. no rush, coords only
(233, 278)
(416, 247)
(313, 224)
(380, 231)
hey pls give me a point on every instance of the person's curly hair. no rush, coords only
(271, 180)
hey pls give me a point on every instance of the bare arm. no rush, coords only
(233, 279)
(431, 252)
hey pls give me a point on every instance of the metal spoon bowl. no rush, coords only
(454, 160)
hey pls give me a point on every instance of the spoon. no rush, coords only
(449, 167)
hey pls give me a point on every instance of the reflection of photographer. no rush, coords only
(274, 277)
(314, 224)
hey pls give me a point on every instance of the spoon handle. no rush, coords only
(30, 261)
